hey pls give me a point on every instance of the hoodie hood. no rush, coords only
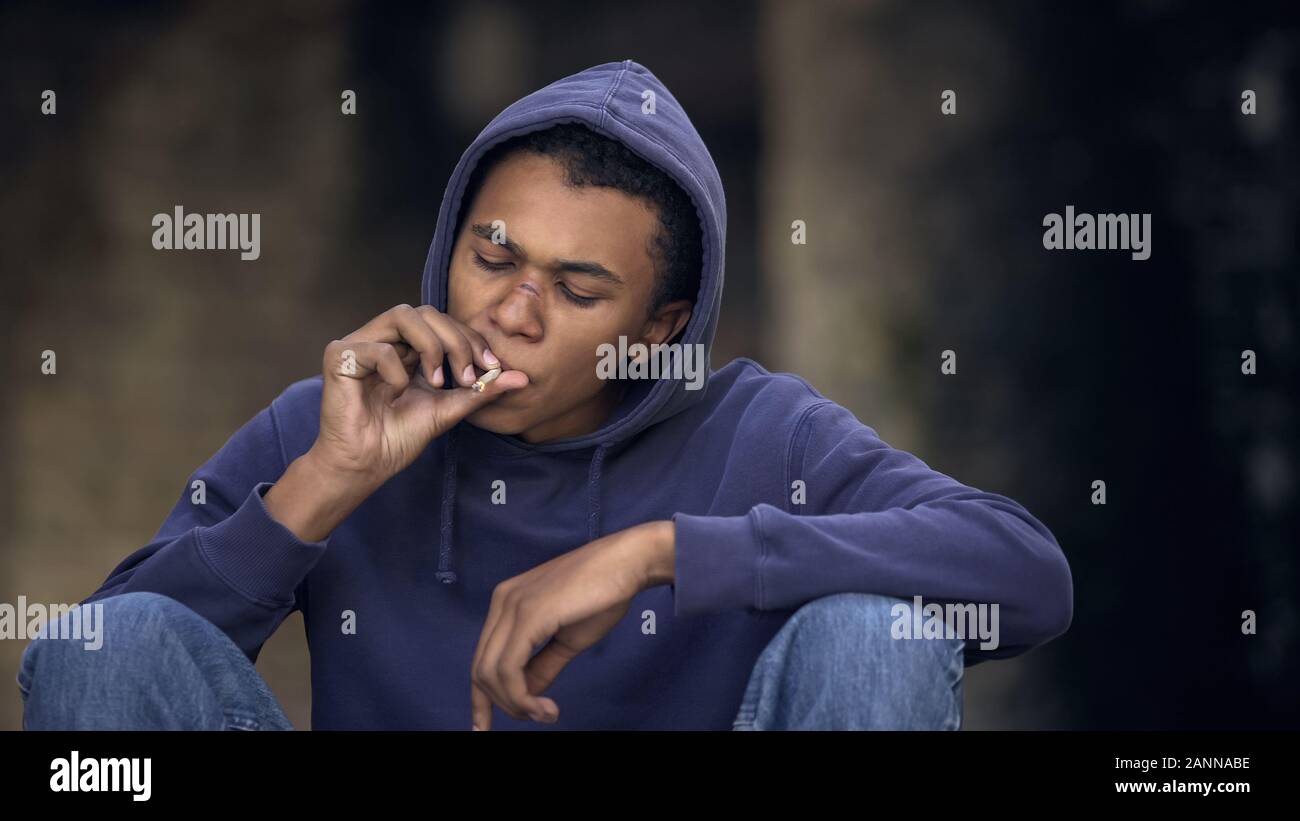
(625, 102)
(609, 99)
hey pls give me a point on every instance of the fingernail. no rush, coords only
(469, 376)
(437, 377)
(490, 358)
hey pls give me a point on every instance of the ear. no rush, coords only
(667, 322)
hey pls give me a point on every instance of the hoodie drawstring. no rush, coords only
(593, 491)
(448, 576)
(445, 574)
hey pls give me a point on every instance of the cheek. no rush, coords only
(579, 355)
(571, 374)
(460, 297)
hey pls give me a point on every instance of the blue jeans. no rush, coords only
(832, 665)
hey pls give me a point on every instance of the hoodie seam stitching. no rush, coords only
(614, 115)
(530, 118)
(756, 524)
(609, 95)
(203, 551)
(804, 383)
(804, 417)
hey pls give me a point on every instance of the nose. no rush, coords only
(519, 311)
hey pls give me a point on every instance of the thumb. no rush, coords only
(543, 668)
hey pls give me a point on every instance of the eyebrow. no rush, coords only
(576, 266)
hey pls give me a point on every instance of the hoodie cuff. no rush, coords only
(716, 564)
(256, 555)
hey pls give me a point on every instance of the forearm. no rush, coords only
(311, 500)
(976, 550)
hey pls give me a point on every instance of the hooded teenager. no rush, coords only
(646, 538)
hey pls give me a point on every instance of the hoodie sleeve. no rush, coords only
(877, 520)
(220, 552)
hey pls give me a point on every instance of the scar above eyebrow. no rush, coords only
(576, 266)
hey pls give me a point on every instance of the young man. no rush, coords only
(562, 549)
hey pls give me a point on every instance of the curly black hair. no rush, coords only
(591, 159)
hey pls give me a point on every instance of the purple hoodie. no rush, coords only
(416, 563)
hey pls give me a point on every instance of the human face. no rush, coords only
(574, 272)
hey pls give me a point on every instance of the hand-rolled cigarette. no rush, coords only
(485, 380)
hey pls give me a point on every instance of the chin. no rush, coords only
(497, 420)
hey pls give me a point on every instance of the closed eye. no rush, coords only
(490, 266)
(580, 301)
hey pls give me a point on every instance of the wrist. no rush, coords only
(335, 474)
(311, 498)
(662, 554)
(332, 479)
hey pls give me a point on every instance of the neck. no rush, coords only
(581, 421)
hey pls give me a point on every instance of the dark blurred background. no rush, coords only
(924, 234)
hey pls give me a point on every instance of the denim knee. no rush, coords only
(130, 625)
(836, 664)
(853, 622)
(863, 611)
(131, 614)
(160, 665)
